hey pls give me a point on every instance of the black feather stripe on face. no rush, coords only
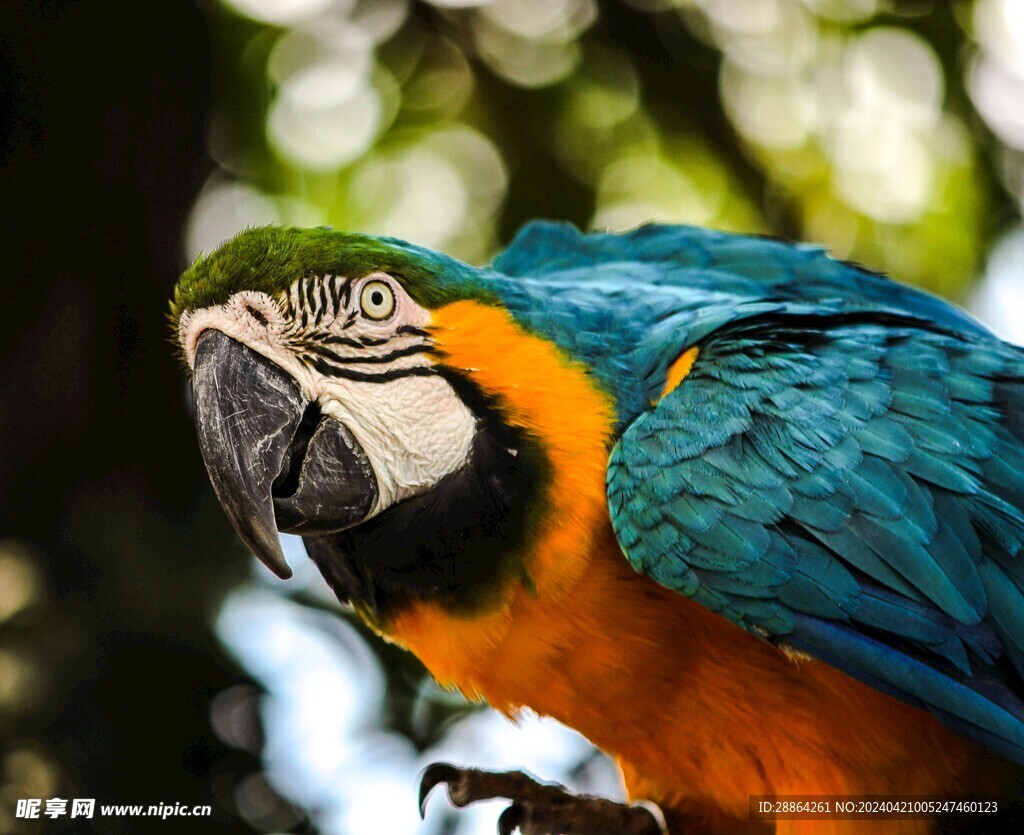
(460, 543)
(329, 369)
(318, 303)
(369, 359)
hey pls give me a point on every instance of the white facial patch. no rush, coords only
(249, 317)
(414, 430)
(365, 358)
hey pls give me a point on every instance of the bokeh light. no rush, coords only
(997, 77)
(999, 299)
(284, 12)
(21, 585)
(532, 43)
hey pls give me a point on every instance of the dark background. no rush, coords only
(102, 491)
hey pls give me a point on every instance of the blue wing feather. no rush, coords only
(731, 264)
(883, 539)
(629, 304)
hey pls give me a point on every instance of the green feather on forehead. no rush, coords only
(270, 259)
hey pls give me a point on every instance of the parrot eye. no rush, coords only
(377, 300)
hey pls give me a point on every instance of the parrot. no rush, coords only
(746, 516)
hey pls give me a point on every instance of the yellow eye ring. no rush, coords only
(377, 300)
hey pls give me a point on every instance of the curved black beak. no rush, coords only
(275, 463)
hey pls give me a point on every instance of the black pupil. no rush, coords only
(377, 298)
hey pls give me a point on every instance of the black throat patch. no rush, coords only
(460, 543)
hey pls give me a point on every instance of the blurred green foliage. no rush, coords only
(845, 122)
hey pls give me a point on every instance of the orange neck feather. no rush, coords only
(554, 399)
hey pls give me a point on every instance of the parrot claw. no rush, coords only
(434, 775)
(540, 808)
(510, 820)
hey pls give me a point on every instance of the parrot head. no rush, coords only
(340, 392)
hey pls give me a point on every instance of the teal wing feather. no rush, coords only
(738, 266)
(852, 488)
(628, 304)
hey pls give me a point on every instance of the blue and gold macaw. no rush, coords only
(747, 517)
